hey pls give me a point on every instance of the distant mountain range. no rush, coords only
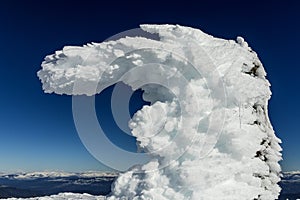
(24, 185)
(290, 184)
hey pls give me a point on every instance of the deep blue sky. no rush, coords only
(37, 130)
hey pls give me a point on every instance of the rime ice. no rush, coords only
(199, 83)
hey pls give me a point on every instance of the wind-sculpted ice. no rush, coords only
(207, 129)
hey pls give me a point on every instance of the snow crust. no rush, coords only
(207, 129)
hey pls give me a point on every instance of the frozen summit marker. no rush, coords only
(207, 129)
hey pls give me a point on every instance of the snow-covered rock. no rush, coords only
(207, 129)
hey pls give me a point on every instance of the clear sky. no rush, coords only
(37, 130)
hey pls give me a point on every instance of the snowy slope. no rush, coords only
(207, 129)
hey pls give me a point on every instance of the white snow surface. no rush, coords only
(208, 133)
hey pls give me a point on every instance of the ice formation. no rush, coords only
(207, 129)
